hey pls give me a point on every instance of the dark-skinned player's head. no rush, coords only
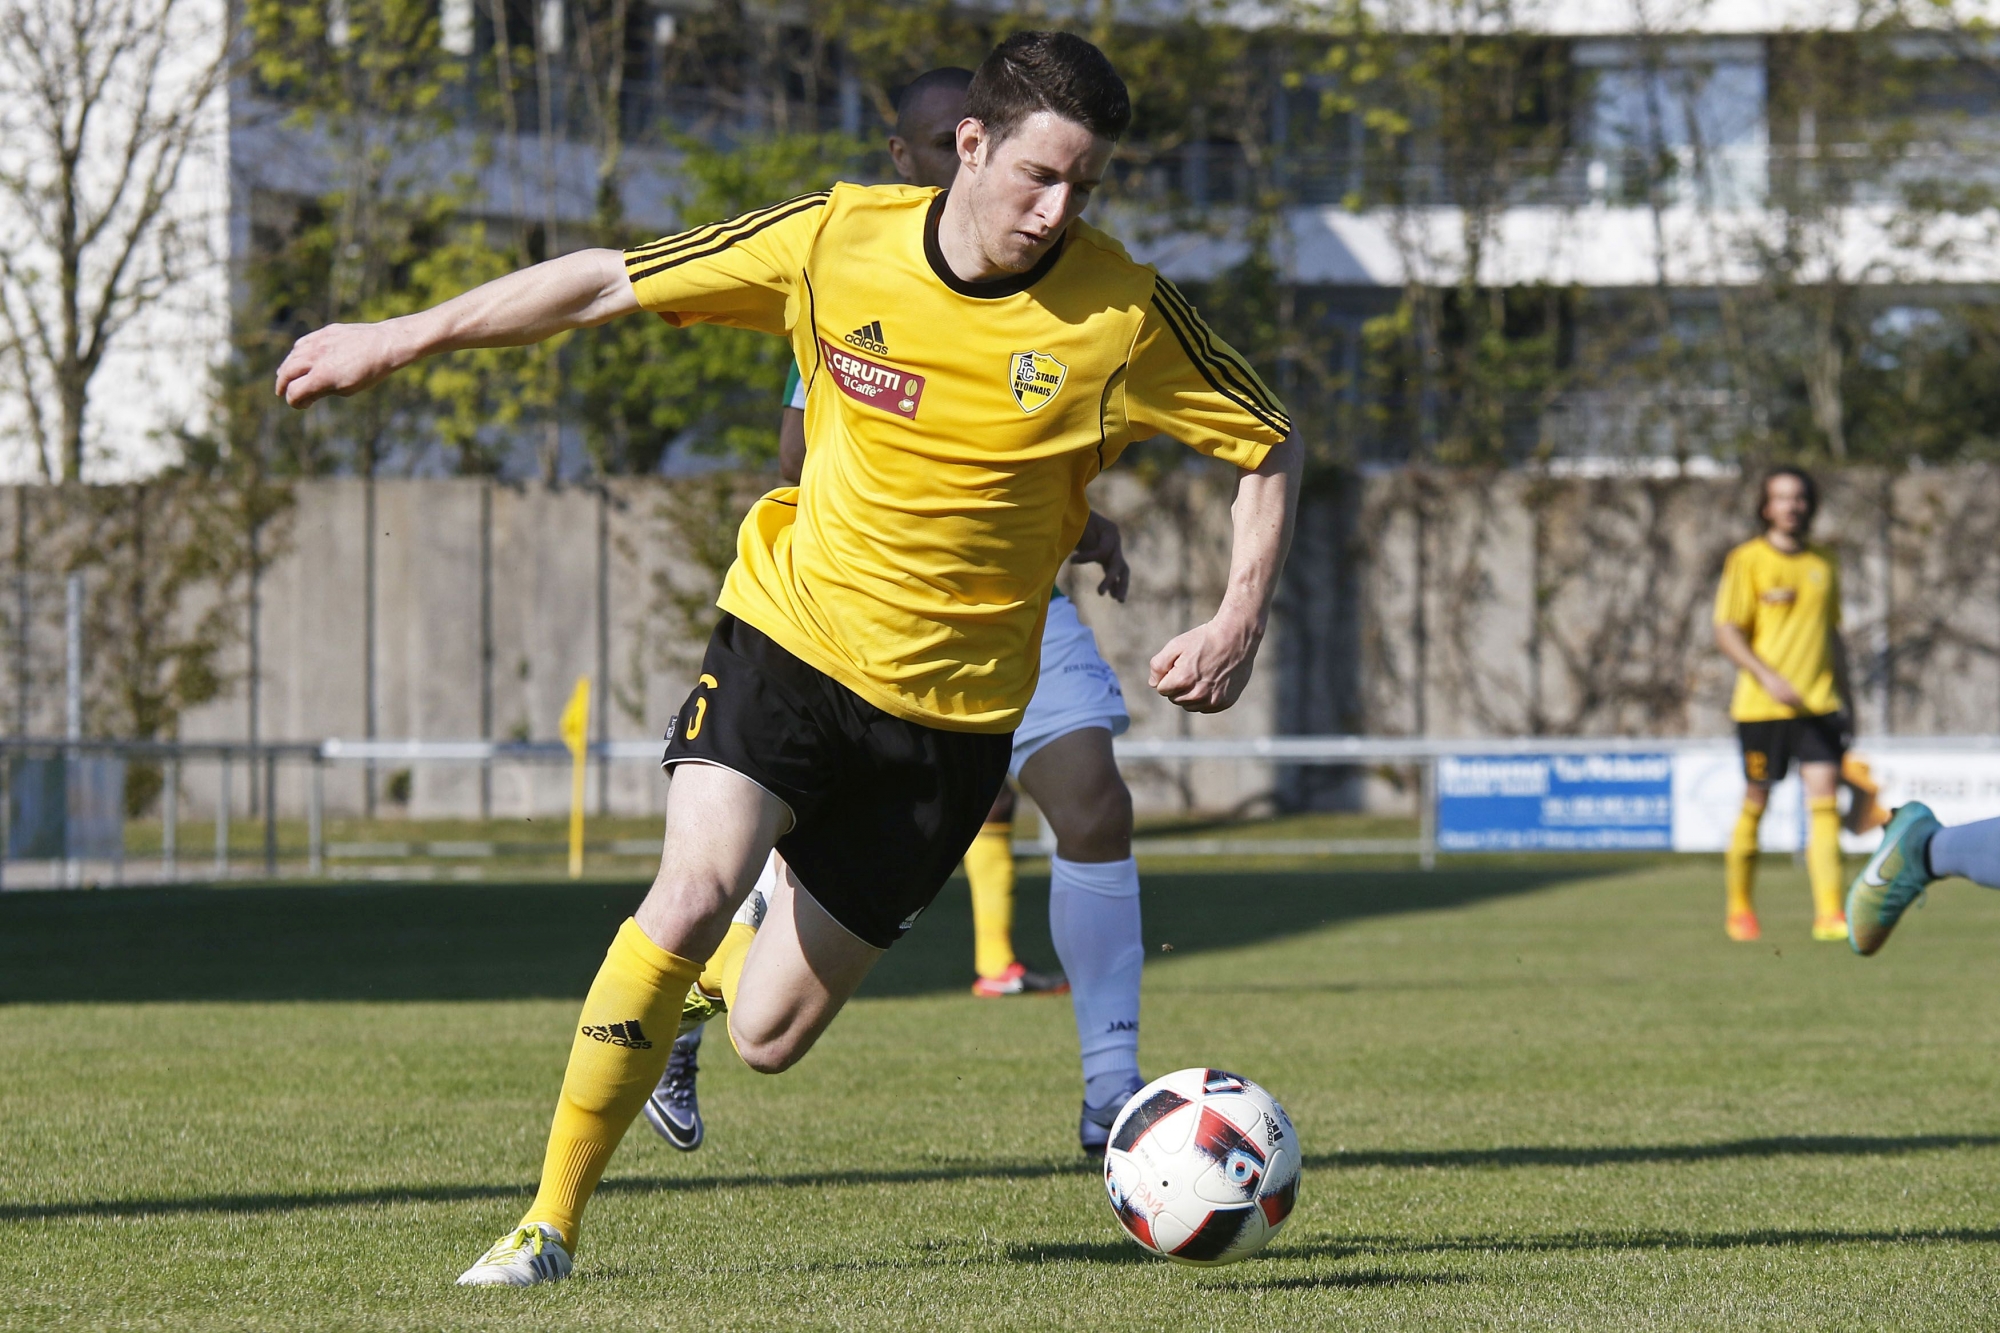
(1788, 500)
(1042, 116)
(924, 146)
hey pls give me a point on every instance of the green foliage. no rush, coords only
(164, 565)
(1475, 112)
(636, 384)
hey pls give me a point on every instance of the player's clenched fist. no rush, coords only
(1205, 669)
(340, 358)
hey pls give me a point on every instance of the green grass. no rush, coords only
(1529, 1097)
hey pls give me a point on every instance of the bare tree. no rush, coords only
(104, 107)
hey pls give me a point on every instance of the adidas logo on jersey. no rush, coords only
(628, 1035)
(869, 338)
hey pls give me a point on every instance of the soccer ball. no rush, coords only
(1203, 1167)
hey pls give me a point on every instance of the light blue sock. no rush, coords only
(1094, 920)
(1971, 850)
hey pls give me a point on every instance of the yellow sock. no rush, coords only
(989, 865)
(1739, 863)
(715, 973)
(728, 960)
(1823, 857)
(620, 1051)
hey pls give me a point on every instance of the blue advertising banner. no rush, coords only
(1555, 802)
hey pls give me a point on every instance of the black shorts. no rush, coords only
(1770, 747)
(882, 808)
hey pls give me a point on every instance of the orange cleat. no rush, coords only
(1743, 927)
(1018, 980)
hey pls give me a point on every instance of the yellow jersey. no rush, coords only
(952, 427)
(1788, 606)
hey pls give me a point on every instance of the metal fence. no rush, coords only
(263, 763)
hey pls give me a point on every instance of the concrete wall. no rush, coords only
(1439, 604)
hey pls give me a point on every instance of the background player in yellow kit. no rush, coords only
(882, 620)
(1777, 617)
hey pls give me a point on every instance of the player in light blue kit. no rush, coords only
(1062, 758)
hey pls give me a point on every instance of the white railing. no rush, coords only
(1423, 754)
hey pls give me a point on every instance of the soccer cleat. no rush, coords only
(1018, 980)
(1829, 928)
(1894, 877)
(702, 1005)
(1093, 1131)
(672, 1110)
(698, 1008)
(1864, 806)
(532, 1252)
(1743, 928)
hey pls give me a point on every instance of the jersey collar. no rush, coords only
(985, 291)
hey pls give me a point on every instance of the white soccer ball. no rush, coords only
(1203, 1167)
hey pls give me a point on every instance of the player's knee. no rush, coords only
(683, 904)
(768, 1053)
(1098, 827)
(1110, 814)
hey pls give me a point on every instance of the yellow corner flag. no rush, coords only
(576, 735)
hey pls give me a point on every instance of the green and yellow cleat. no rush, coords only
(1894, 877)
(698, 1008)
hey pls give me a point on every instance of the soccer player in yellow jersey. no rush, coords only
(881, 622)
(1777, 617)
(1062, 756)
(924, 148)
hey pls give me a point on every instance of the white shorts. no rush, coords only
(1077, 689)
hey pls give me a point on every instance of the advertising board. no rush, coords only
(1555, 802)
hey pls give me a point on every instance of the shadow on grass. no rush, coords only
(1831, 1145)
(1111, 1252)
(1651, 1239)
(525, 941)
(327, 1200)
(1373, 1277)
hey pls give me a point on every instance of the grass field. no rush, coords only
(1530, 1096)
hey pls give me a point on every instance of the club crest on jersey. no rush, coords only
(1036, 377)
(893, 391)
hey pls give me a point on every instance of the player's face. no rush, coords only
(925, 147)
(1785, 506)
(1025, 190)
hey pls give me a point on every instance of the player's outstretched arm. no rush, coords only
(1205, 669)
(575, 291)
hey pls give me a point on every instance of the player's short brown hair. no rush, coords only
(1048, 71)
(1805, 480)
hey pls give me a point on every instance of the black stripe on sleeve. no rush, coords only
(1223, 357)
(1225, 361)
(1222, 352)
(715, 243)
(1243, 387)
(1210, 366)
(666, 245)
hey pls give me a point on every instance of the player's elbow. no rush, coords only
(1287, 458)
(600, 274)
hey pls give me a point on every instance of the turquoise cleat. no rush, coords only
(1894, 877)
